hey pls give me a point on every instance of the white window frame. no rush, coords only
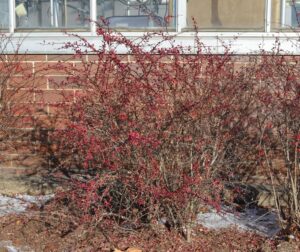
(240, 42)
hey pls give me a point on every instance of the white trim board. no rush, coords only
(240, 43)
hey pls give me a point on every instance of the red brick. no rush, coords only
(60, 110)
(92, 57)
(6, 68)
(20, 96)
(40, 82)
(16, 68)
(44, 121)
(26, 57)
(95, 57)
(29, 109)
(17, 147)
(246, 58)
(24, 69)
(238, 66)
(54, 96)
(87, 69)
(24, 148)
(17, 171)
(27, 161)
(53, 121)
(17, 82)
(5, 160)
(53, 68)
(61, 123)
(66, 57)
(24, 135)
(6, 146)
(35, 57)
(24, 122)
(152, 58)
(4, 170)
(15, 57)
(62, 82)
(78, 94)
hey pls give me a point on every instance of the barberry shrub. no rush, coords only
(156, 133)
(271, 142)
(153, 134)
(278, 121)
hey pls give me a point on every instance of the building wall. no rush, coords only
(35, 102)
(26, 154)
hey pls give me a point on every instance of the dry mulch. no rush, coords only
(41, 230)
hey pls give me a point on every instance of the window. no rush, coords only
(228, 15)
(4, 15)
(137, 15)
(34, 14)
(286, 14)
(129, 14)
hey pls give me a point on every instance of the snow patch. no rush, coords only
(254, 219)
(15, 205)
(10, 248)
(19, 203)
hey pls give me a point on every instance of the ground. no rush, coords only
(37, 230)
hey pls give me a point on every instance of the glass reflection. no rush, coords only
(137, 13)
(52, 13)
(4, 15)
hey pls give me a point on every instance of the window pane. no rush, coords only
(285, 14)
(137, 13)
(52, 13)
(227, 14)
(4, 15)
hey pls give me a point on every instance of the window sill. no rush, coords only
(239, 42)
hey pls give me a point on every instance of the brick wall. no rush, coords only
(38, 102)
(35, 97)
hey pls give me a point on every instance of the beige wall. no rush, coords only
(227, 14)
(276, 13)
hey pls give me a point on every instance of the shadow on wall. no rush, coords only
(27, 159)
(26, 121)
